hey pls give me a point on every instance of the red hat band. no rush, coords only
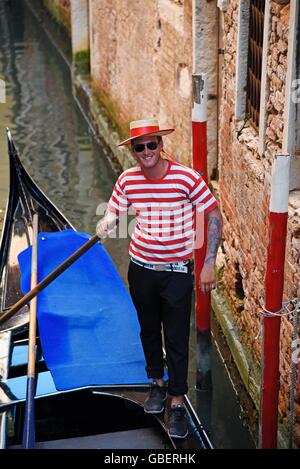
(141, 128)
(140, 131)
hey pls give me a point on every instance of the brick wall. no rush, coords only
(244, 190)
(141, 64)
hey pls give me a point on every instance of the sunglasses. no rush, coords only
(139, 147)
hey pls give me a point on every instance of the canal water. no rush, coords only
(57, 148)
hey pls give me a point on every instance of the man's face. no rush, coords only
(147, 157)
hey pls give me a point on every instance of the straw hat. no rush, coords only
(141, 128)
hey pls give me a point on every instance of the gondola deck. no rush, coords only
(106, 416)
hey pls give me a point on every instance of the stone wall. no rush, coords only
(245, 179)
(141, 64)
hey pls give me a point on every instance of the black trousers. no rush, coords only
(163, 299)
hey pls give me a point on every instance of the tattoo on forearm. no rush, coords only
(214, 230)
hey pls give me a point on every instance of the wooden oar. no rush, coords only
(29, 420)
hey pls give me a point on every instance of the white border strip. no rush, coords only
(280, 184)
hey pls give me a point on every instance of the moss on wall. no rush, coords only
(112, 111)
(81, 61)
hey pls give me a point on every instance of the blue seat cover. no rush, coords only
(87, 322)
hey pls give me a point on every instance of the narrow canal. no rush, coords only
(58, 150)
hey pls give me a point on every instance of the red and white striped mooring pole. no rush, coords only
(274, 283)
(199, 145)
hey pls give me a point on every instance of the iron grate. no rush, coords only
(254, 68)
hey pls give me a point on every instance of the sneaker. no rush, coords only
(154, 404)
(178, 426)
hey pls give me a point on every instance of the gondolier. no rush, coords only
(168, 200)
(70, 357)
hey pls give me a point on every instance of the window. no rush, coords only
(254, 66)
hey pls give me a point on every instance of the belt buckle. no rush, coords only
(160, 267)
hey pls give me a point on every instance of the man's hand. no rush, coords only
(106, 225)
(207, 278)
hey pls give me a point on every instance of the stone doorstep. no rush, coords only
(249, 370)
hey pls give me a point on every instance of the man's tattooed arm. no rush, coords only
(214, 235)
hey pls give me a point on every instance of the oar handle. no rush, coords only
(50, 277)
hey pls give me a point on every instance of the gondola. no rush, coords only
(85, 414)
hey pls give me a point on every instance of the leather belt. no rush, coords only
(180, 266)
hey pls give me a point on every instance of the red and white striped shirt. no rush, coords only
(164, 210)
